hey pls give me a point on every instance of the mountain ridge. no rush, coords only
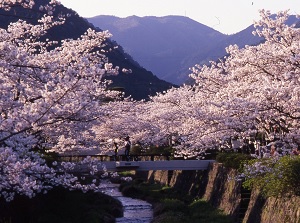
(151, 40)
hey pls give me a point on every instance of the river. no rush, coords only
(135, 210)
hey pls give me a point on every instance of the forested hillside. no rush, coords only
(139, 84)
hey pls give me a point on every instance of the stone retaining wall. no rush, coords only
(219, 186)
(223, 190)
(285, 209)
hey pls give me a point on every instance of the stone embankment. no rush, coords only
(220, 187)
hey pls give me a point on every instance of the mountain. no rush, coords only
(170, 45)
(160, 44)
(139, 84)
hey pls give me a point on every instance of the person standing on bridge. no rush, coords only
(116, 151)
(127, 147)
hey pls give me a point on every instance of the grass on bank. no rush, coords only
(171, 206)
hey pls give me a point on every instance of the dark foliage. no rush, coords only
(232, 159)
(61, 206)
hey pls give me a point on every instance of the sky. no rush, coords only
(226, 16)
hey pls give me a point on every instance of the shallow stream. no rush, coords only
(135, 210)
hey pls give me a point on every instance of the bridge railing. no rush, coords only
(78, 158)
(137, 162)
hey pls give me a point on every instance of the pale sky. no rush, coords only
(226, 16)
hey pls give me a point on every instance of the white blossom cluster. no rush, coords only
(7, 4)
(259, 168)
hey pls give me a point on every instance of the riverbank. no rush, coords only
(220, 188)
(172, 206)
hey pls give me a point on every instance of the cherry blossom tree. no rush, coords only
(50, 97)
(129, 118)
(254, 89)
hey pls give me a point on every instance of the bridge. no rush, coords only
(158, 165)
(116, 166)
(143, 163)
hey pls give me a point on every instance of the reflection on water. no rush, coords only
(135, 210)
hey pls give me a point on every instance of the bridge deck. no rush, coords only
(158, 165)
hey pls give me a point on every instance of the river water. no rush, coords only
(135, 210)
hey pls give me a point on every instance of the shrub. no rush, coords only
(136, 150)
(233, 160)
(274, 177)
(168, 151)
(130, 191)
(170, 217)
(168, 204)
(201, 211)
